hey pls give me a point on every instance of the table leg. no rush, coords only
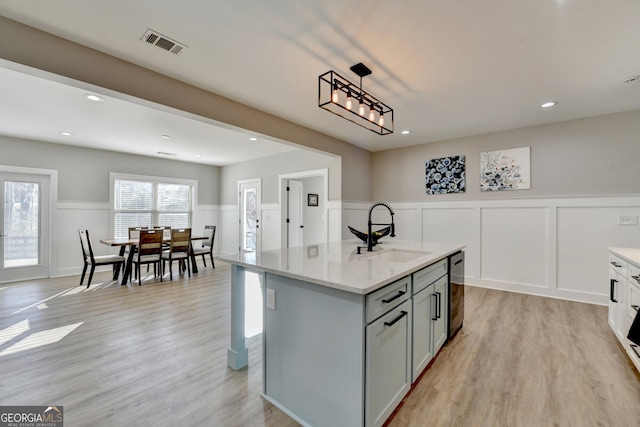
(237, 354)
(194, 264)
(128, 263)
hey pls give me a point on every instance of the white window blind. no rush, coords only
(140, 203)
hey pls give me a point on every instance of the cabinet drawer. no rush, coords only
(383, 300)
(634, 274)
(618, 264)
(428, 275)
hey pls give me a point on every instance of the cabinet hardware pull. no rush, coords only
(395, 297)
(637, 278)
(613, 283)
(615, 264)
(394, 321)
(457, 262)
(635, 349)
(635, 307)
(439, 312)
(435, 307)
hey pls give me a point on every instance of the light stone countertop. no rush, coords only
(631, 255)
(337, 264)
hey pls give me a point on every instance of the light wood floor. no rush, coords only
(156, 355)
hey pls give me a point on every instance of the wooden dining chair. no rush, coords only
(179, 249)
(207, 245)
(89, 258)
(149, 252)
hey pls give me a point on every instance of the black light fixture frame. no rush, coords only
(331, 80)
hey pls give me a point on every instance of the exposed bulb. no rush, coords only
(381, 120)
(334, 95)
(348, 105)
(361, 109)
(372, 117)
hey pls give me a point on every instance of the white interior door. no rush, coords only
(295, 223)
(248, 207)
(24, 226)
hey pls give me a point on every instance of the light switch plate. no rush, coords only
(627, 220)
(271, 299)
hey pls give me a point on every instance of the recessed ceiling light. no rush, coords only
(406, 132)
(165, 136)
(253, 138)
(66, 133)
(198, 155)
(549, 104)
(95, 98)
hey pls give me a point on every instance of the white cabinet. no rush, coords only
(624, 299)
(388, 363)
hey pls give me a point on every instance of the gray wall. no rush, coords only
(593, 156)
(83, 174)
(269, 168)
(44, 51)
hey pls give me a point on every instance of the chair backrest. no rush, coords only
(85, 242)
(150, 242)
(210, 233)
(180, 240)
(134, 232)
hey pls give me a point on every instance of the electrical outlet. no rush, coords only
(271, 299)
(627, 220)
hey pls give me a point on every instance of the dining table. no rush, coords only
(123, 242)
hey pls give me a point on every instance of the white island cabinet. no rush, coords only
(624, 296)
(338, 326)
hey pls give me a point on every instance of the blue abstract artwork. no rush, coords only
(446, 175)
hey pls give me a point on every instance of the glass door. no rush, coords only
(24, 229)
(248, 206)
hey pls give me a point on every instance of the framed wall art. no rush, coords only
(445, 175)
(505, 170)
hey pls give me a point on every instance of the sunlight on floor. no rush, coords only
(253, 305)
(38, 339)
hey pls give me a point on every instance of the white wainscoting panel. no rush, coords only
(229, 229)
(451, 224)
(70, 217)
(584, 233)
(334, 220)
(514, 245)
(270, 226)
(553, 247)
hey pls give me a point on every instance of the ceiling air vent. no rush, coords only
(157, 39)
(164, 153)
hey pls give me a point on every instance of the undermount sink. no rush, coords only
(394, 255)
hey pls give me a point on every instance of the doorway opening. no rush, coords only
(25, 247)
(303, 204)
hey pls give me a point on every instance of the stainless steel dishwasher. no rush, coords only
(456, 292)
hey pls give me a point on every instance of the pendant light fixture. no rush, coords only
(335, 94)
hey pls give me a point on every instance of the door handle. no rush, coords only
(439, 312)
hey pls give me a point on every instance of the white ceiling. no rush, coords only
(448, 68)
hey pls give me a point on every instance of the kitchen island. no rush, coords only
(339, 343)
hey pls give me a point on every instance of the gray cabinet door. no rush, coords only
(441, 315)
(423, 314)
(388, 363)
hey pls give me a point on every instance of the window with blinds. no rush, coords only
(141, 203)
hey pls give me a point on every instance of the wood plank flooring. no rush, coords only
(156, 355)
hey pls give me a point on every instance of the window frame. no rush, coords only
(155, 180)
